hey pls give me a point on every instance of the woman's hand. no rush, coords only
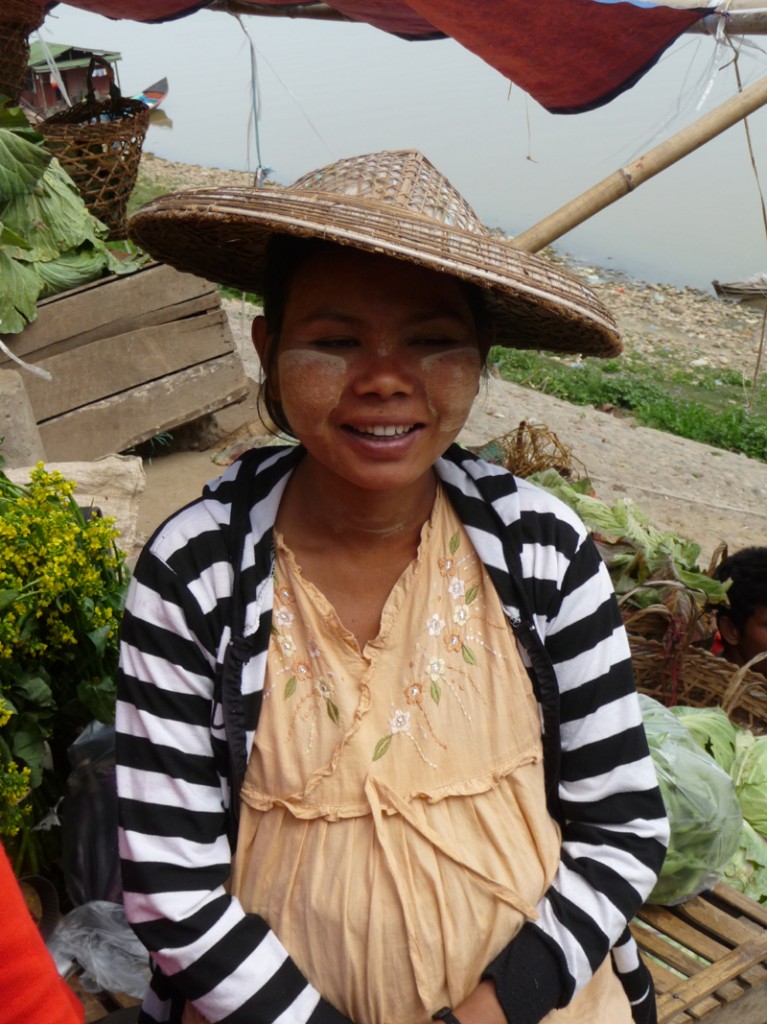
(481, 1006)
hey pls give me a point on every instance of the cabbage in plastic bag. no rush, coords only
(712, 730)
(701, 804)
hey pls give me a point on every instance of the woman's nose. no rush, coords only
(384, 373)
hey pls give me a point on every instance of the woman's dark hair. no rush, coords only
(747, 569)
(284, 256)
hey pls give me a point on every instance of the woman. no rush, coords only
(387, 679)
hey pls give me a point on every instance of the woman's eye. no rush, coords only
(334, 343)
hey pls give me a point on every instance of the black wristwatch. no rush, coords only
(446, 1015)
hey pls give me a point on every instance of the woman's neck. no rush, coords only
(321, 508)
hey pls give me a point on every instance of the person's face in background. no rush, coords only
(741, 645)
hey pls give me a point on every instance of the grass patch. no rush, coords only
(144, 191)
(701, 404)
(235, 293)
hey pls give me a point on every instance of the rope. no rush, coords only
(763, 331)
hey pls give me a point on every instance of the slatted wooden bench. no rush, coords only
(131, 357)
(708, 958)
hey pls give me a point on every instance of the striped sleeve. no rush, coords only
(173, 801)
(614, 827)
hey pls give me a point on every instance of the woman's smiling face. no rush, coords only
(377, 366)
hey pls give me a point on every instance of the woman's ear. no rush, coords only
(262, 342)
(258, 333)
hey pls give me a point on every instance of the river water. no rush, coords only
(332, 90)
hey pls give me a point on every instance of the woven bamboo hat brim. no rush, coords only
(395, 203)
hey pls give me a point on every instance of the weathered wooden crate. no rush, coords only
(719, 975)
(131, 356)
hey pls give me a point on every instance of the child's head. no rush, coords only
(743, 623)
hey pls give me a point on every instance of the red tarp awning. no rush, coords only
(570, 56)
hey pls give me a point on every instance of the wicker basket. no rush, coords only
(98, 143)
(692, 676)
(17, 19)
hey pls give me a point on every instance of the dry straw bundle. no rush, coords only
(18, 18)
(99, 143)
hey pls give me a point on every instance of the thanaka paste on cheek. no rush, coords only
(308, 379)
(452, 378)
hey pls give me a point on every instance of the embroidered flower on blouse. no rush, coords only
(283, 617)
(456, 588)
(302, 669)
(324, 689)
(453, 642)
(399, 721)
(287, 644)
(461, 615)
(436, 669)
(435, 625)
(285, 594)
(314, 651)
(447, 566)
(413, 693)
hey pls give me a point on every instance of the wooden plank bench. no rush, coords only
(131, 356)
(708, 958)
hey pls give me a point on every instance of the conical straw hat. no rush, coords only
(395, 203)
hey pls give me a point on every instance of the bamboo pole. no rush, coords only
(738, 18)
(620, 183)
(311, 11)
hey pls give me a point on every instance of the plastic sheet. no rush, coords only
(701, 804)
(89, 819)
(98, 937)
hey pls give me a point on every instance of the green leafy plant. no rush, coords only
(49, 241)
(62, 587)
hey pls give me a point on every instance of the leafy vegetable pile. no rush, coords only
(743, 757)
(49, 242)
(646, 564)
(701, 804)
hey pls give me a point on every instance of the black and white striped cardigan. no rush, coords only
(189, 695)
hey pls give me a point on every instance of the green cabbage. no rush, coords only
(712, 730)
(747, 870)
(749, 772)
(71, 270)
(701, 804)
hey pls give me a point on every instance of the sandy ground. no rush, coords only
(700, 493)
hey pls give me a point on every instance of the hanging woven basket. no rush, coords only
(18, 18)
(99, 143)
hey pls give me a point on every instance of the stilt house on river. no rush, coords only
(42, 86)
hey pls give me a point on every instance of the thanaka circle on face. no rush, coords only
(377, 365)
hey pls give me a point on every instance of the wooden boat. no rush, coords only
(154, 94)
(753, 289)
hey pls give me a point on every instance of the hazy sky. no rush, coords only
(332, 90)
